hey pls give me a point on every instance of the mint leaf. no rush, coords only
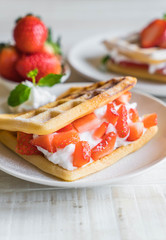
(50, 80)
(164, 16)
(32, 74)
(105, 59)
(19, 95)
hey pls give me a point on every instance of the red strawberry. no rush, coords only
(44, 141)
(24, 146)
(86, 123)
(150, 120)
(30, 33)
(133, 115)
(100, 131)
(105, 147)
(152, 34)
(8, 59)
(62, 139)
(44, 62)
(111, 114)
(122, 125)
(67, 128)
(124, 98)
(162, 42)
(81, 154)
(136, 131)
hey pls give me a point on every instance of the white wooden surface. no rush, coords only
(130, 210)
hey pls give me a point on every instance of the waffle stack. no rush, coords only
(128, 49)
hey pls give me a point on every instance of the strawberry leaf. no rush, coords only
(50, 80)
(164, 16)
(19, 95)
(55, 45)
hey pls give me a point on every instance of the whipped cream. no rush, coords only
(64, 157)
(38, 97)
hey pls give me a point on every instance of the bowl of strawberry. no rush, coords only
(33, 48)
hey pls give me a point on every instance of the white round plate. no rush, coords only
(11, 84)
(85, 58)
(135, 163)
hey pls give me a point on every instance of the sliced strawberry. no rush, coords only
(67, 128)
(44, 141)
(161, 71)
(133, 65)
(152, 34)
(81, 154)
(124, 98)
(133, 115)
(162, 42)
(111, 113)
(100, 131)
(150, 120)
(86, 123)
(105, 147)
(136, 131)
(63, 139)
(122, 125)
(24, 146)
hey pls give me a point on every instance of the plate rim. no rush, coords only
(77, 184)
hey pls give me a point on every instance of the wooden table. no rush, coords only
(134, 209)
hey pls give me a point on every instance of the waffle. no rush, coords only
(129, 46)
(73, 104)
(136, 72)
(9, 139)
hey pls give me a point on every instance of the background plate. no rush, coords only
(133, 164)
(85, 58)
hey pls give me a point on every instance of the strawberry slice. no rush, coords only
(162, 42)
(122, 125)
(81, 154)
(152, 34)
(133, 115)
(105, 147)
(44, 141)
(24, 146)
(100, 131)
(133, 65)
(63, 139)
(86, 123)
(124, 98)
(150, 120)
(111, 113)
(136, 131)
(67, 128)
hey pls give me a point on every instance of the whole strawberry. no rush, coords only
(30, 33)
(45, 63)
(8, 58)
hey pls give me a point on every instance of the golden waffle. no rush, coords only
(75, 103)
(129, 46)
(9, 139)
(136, 72)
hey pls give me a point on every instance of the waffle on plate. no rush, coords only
(84, 131)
